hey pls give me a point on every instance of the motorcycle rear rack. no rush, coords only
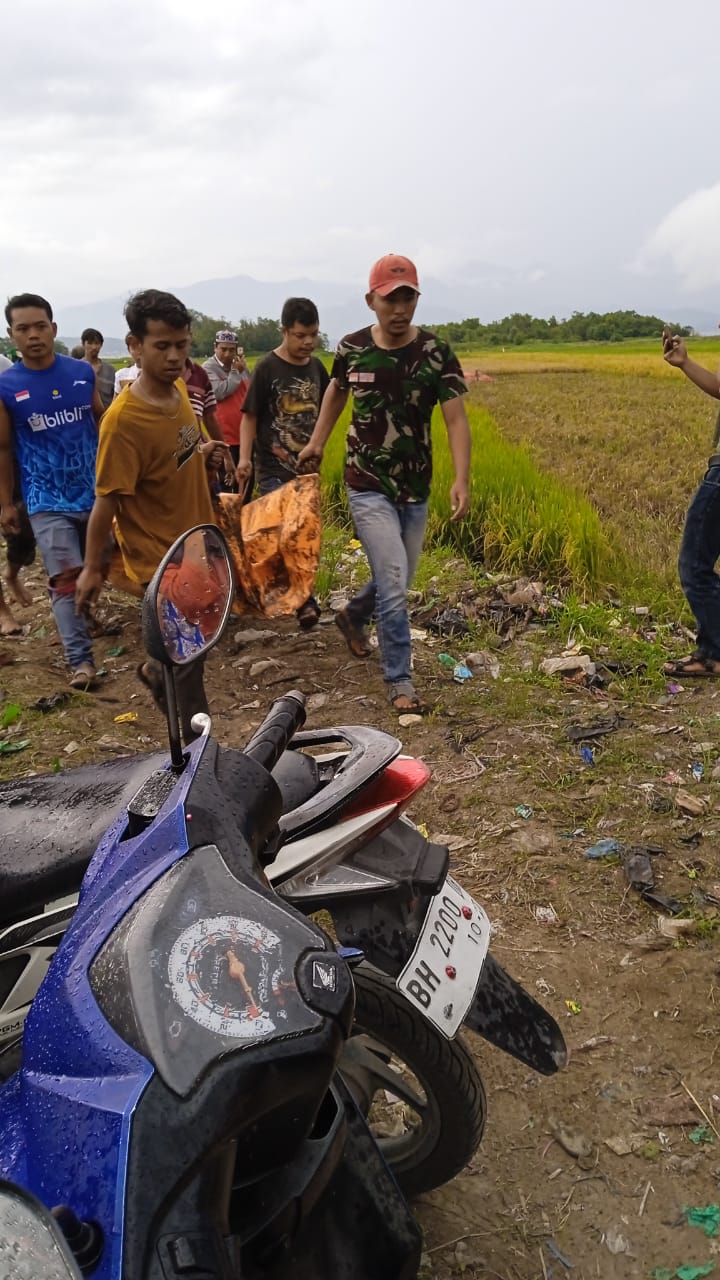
(370, 751)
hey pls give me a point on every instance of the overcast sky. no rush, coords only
(564, 154)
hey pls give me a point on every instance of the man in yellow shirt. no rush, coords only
(151, 475)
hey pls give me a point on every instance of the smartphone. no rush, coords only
(667, 338)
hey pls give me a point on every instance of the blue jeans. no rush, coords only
(269, 484)
(392, 535)
(60, 537)
(699, 552)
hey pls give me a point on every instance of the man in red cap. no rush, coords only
(397, 373)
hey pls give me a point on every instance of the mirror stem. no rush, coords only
(177, 758)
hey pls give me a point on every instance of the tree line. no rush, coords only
(256, 336)
(591, 326)
(263, 334)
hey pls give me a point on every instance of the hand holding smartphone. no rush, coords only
(667, 338)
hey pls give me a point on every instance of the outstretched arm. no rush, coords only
(678, 357)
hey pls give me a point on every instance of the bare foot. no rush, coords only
(18, 592)
(8, 625)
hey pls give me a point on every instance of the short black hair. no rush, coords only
(299, 311)
(91, 335)
(153, 304)
(27, 300)
(78, 353)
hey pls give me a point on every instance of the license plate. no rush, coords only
(443, 972)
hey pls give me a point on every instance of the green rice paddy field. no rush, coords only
(585, 457)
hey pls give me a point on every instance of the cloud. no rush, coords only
(687, 239)
(166, 142)
(145, 144)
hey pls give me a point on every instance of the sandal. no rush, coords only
(696, 664)
(154, 682)
(403, 699)
(83, 676)
(407, 706)
(308, 615)
(355, 634)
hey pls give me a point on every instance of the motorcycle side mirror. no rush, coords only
(31, 1242)
(185, 610)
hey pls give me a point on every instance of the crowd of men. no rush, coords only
(91, 458)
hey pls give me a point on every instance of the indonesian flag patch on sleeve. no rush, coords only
(22, 395)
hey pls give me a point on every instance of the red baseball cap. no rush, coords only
(393, 272)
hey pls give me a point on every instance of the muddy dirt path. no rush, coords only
(639, 1011)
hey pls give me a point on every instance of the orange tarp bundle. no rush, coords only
(275, 545)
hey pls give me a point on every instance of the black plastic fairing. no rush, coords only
(231, 795)
(385, 922)
(262, 1209)
(331, 1208)
(362, 1229)
(257, 1111)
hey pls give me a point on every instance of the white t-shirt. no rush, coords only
(5, 363)
(124, 376)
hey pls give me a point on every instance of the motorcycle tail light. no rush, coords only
(397, 784)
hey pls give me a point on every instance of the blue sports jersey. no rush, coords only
(54, 433)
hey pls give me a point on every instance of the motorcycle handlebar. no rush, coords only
(282, 722)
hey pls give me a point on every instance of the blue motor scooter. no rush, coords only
(179, 1106)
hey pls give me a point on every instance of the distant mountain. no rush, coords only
(342, 307)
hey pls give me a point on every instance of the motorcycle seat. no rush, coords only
(50, 826)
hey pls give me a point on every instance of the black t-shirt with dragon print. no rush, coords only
(285, 398)
(389, 446)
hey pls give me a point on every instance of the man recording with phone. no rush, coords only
(700, 546)
(228, 373)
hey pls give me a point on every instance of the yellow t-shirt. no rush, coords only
(148, 459)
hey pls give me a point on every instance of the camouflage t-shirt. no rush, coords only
(389, 447)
